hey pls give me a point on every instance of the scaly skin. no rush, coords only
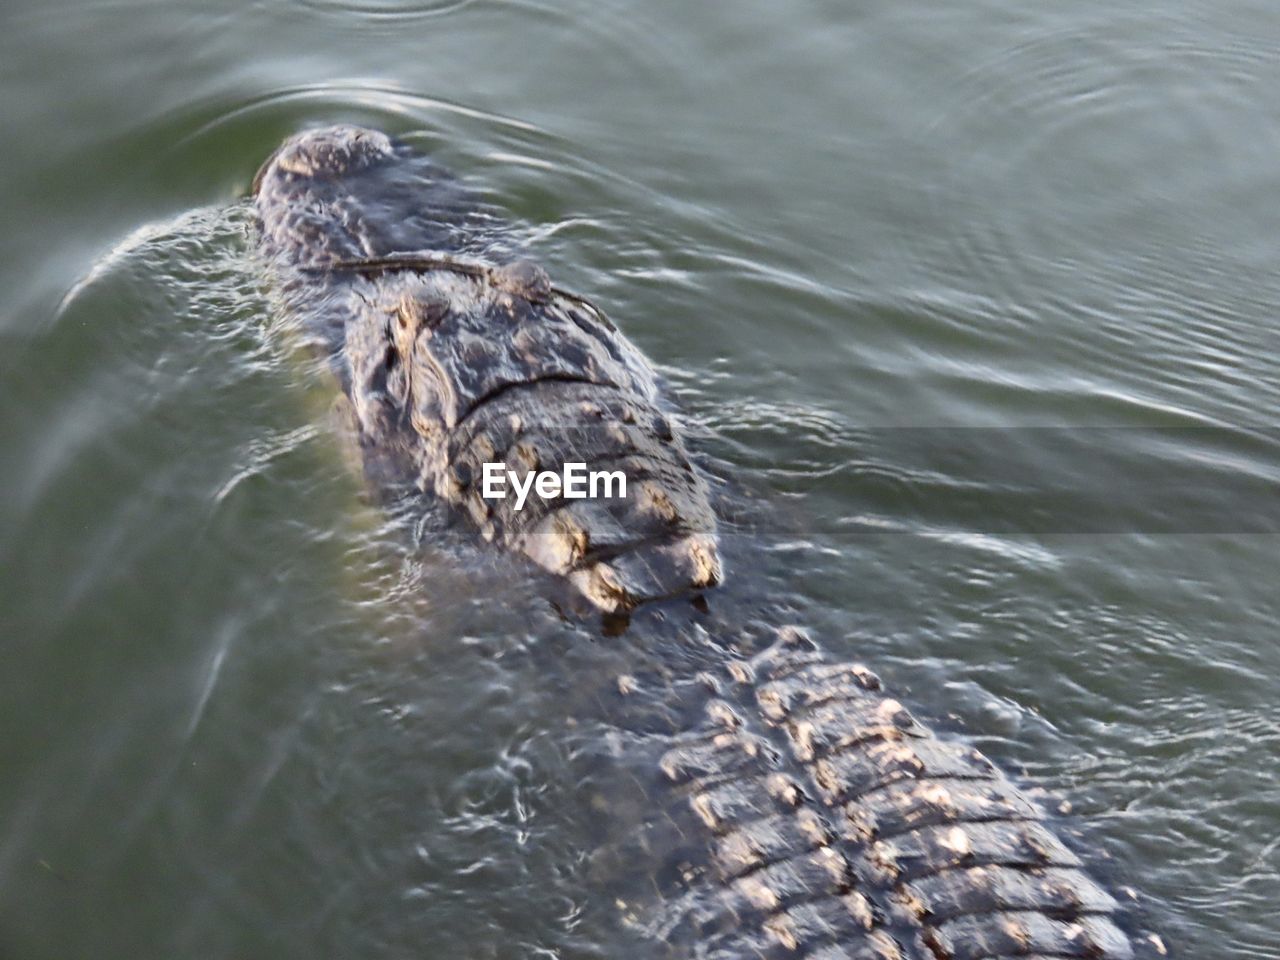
(450, 364)
(834, 823)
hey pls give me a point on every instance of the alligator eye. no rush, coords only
(431, 310)
(524, 278)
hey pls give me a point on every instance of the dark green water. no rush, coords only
(981, 300)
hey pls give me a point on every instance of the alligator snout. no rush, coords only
(326, 152)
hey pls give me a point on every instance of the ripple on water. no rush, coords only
(393, 10)
(539, 170)
(294, 687)
(1129, 126)
(428, 772)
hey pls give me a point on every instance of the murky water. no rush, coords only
(977, 303)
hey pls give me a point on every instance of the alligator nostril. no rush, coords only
(332, 151)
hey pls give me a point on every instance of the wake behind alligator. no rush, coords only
(831, 822)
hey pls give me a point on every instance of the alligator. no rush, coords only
(833, 823)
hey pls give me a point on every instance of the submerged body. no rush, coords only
(831, 823)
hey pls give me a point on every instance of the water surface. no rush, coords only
(977, 302)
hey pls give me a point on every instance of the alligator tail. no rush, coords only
(841, 827)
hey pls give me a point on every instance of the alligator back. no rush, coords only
(451, 362)
(832, 823)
